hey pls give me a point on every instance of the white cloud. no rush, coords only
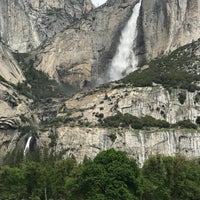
(98, 2)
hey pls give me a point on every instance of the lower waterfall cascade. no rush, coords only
(125, 59)
(27, 146)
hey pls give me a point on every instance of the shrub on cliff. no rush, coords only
(186, 124)
(172, 71)
(128, 120)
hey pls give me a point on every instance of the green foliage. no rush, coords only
(122, 120)
(111, 175)
(32, 180)
(182, 97)
(198, 120)
(20, 57)
(113, 137)
(14, 159)
(27, 129)
(127, 120)
(171, 178)
(149, 121)
(35, 179)
(60, 120)
(11, 183)
(186, 124)
(62, 170)
(37, 84)
(168, 70)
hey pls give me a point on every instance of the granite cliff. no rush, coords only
(10, 70)
(169, 24)
(83, 53)
(85, 42)
(73, 43)
(24, 25)
(82, 142)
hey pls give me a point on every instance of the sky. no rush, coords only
(98, 2)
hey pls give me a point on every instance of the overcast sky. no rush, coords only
(98, 2)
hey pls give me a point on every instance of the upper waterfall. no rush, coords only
(125, 60)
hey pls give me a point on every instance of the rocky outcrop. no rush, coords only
(10, 70)
(25, 24)
(8, 141)
(154, 101)
(167, 25)
(12, 105)
(82, 142)
(14, 113)
(70, 127)
(88, 142)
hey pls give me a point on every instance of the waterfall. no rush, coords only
(27, 146)
(142, 157)
(125, 60)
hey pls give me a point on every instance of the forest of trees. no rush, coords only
(111, 175)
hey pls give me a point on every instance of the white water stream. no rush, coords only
(142, 158)
(125, 60)
(27, 146)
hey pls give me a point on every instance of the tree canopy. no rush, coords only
(111, 175)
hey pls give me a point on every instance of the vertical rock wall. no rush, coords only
(25, 24)
(168, 24)
(9, 69)
(84, 51)
(81, 142)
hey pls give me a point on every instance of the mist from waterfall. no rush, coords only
(125, 60)
(27, 146)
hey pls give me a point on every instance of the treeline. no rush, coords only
(111, 175)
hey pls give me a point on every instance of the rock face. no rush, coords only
(88, 142)
(8, 141)
(12, 105)
(167, 25)
(24, 24)
(154, 101)
(10, 70)
(84, 52)
(71, 127)
(78, 49)
(82, 142)
(14, 108)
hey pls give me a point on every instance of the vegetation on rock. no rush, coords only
(127, 120)
(37, 84)
(175, 70)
